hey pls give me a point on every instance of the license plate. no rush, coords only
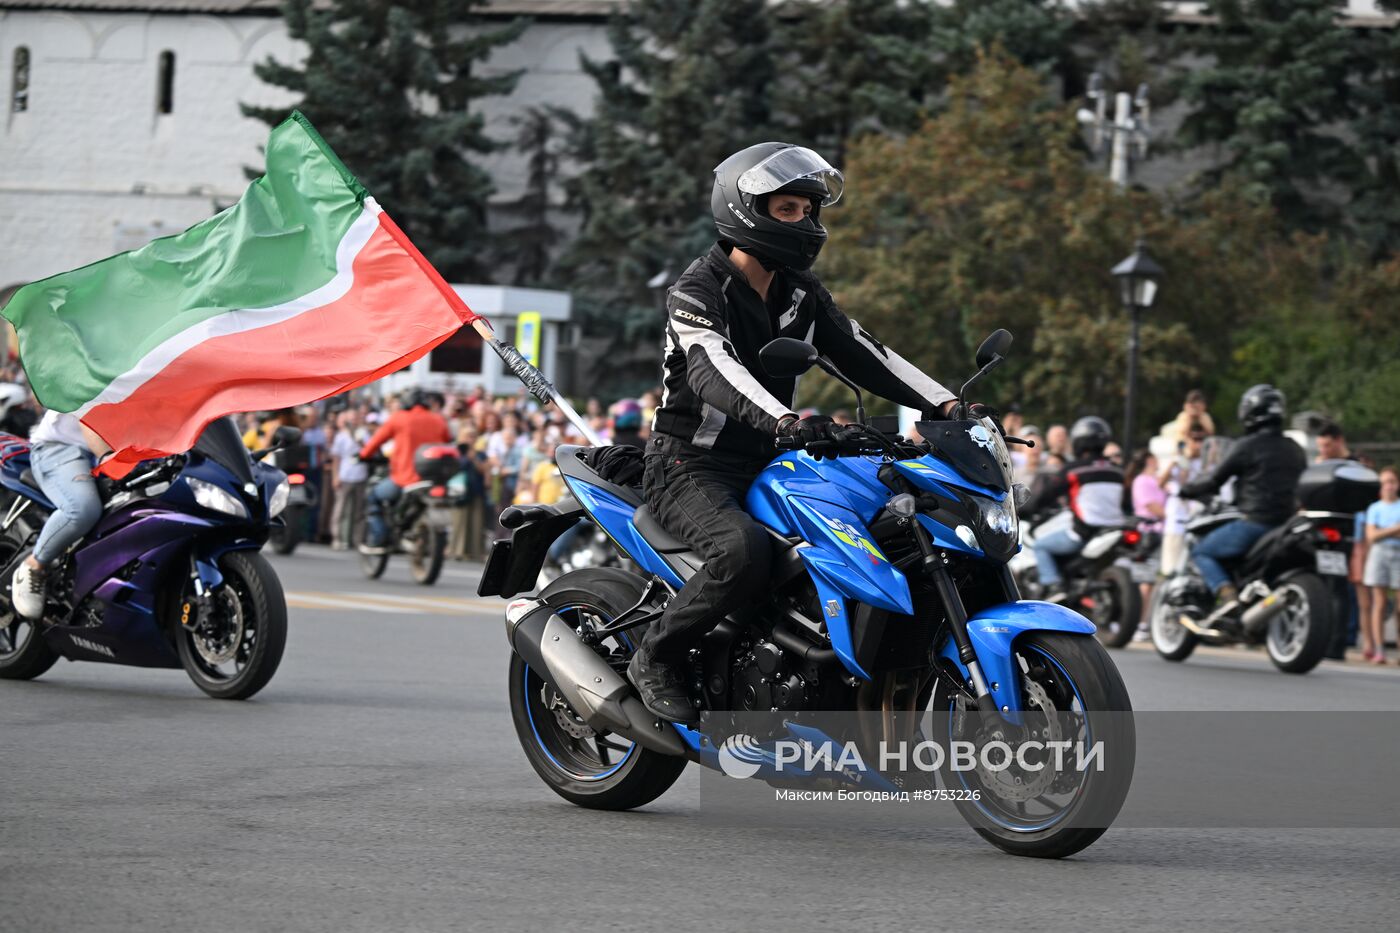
(297, 495)
(1333, 563)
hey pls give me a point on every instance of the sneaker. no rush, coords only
(373, 550)
(662, 688)
(1143, 633)
(27, 590)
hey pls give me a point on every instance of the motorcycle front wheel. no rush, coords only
(429, 549)
(233, 650)
(1070, 688)
(1173, 641)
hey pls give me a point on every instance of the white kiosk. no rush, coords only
(463, 362)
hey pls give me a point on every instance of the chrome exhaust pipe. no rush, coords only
(601, 697)
(1257, 616)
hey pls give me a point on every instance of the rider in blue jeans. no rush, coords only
(1265, 466)
(61, 458)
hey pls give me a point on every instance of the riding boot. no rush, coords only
(662, 686)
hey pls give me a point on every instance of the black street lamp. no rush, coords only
(1137, 282)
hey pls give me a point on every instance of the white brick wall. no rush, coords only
(90, 164)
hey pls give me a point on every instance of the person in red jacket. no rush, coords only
(409, 428)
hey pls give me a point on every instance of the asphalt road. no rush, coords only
(377, 784)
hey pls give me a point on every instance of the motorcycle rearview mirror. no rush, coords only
(989, 356)
(787, 357)
(994, 348)
(286, 436)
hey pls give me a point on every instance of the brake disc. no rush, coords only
(1015, 782)
(564, 714)
(220, 645)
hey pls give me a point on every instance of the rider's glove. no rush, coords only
(810, 430)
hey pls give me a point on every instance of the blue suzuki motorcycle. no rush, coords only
(890, 599)
(170, 577)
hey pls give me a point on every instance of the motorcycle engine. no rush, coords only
(762, 681)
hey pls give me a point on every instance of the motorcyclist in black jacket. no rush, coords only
(1266, 467)
(721, 412)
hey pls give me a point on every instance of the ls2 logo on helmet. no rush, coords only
(740, 756)
(740, 214)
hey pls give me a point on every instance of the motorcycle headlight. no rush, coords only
(997, 525)
(278, 502)
(212, 497)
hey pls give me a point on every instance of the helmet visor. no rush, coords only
(786, 166)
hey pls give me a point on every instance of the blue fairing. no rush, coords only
(994, 631)
(614, 516)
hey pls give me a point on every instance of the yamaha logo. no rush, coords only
(92, 646)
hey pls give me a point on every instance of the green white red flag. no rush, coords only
(303, 289)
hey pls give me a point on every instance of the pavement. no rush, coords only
(377, 784)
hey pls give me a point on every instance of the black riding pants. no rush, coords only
(698, 496)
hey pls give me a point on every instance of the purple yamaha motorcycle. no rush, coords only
(170, 577)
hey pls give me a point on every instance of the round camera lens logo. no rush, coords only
(740, 756)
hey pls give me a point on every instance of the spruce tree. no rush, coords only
(1278, 80)
(390, 86)
(689, 85)
(853, 67)
(1374, 210)
(528, 244)
(1037, 33)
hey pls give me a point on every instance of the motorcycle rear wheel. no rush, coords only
(599, 771)
(1297, 637)
(24, 654)
(1118, 621)
(252, 601)
(1070, 670)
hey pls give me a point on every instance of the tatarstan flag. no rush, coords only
(303, 289)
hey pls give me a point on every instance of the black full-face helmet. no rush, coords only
(1261, 407)
(739, 201)
(1089, 436)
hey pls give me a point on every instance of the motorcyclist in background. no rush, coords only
(408, 428)
(1094, 485)
(721, 412)
(1266, 466)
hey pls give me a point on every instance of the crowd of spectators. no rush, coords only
(507, 446)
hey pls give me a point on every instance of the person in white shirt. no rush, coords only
(61, 457)
(349, 477)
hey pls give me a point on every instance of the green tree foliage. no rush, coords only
(390, 86)
(688, 86)
(852, 67)
(1277, 79)
(1375, 205)
(1036, 33)
(989, 217)
(530, 241)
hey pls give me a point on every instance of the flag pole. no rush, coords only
(540, 387)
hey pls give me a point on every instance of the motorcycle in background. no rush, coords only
(295, 462)
(170, 577)
(419, 520)
(1098, 582)
(1286, 597)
